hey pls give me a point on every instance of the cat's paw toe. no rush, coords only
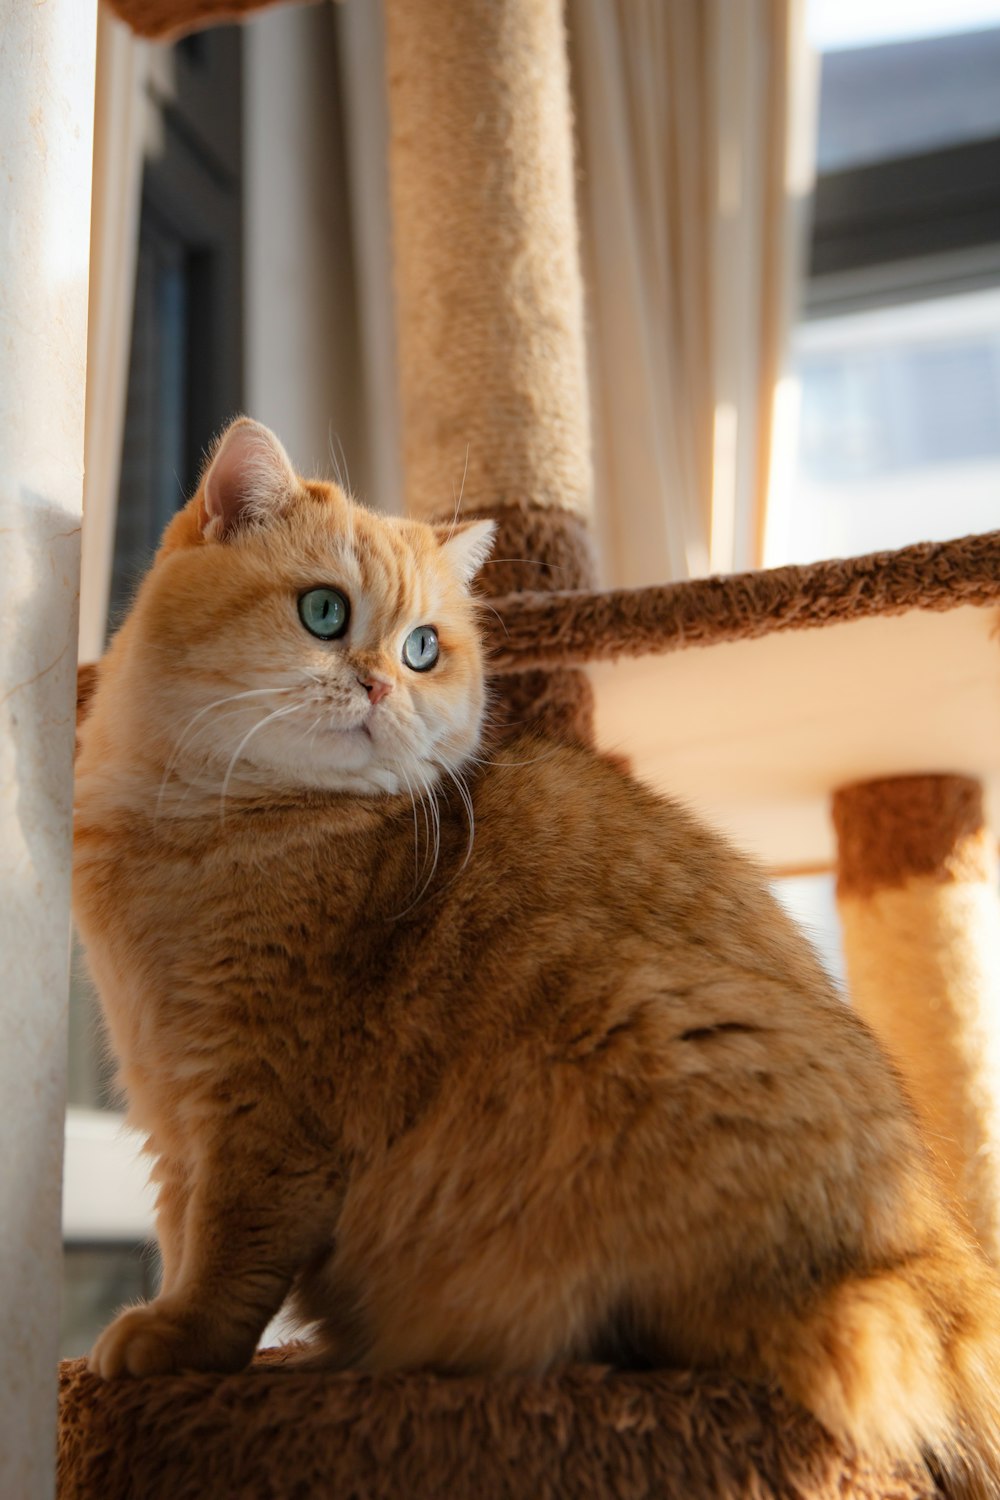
(141, 1341)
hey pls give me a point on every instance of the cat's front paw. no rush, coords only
(142, 1341)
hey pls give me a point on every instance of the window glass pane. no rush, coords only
(154, 482)
(865, 23)
(899, 430)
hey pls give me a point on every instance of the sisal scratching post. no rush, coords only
(490, 301)
(917, 891)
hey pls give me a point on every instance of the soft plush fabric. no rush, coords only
(272, 1435)
(564, 629)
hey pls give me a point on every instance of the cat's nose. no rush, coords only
(377, 688)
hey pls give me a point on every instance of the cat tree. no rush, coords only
(491, 350)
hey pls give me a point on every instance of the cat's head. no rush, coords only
(290, 637)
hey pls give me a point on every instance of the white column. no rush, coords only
(46, 134)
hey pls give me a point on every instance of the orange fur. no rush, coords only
(579, 1090)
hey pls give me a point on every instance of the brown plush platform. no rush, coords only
(272, 1435)
(568, 628)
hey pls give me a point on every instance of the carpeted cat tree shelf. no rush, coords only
(271, 1435)
(806, 679)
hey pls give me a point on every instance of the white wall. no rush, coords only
(46, 128)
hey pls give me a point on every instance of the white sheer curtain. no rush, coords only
(119, 137)
(695, 120)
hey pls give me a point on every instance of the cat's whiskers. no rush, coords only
(485, 760)
(339, 465)
(429, 809)
(503, 623)
(416, 827)
(346, 484)
(327, 697)
(221, 703)
(493, 720)
(531, 561)
(278, 713)
(432, 820)
(351, 537)
(433, 793)
(461, 492)
(466, 799)
(184, 738)
(191, 778)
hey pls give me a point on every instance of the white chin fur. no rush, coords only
(379, 754)
(347, 760)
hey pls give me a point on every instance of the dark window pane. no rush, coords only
(153, 478)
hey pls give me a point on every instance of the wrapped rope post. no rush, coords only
(490, 300)
(917, 892)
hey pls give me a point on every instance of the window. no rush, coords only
(899, 428)
(896, 363)
(895, 395)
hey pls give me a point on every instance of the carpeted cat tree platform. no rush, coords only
(492, 358)
(270, 1435)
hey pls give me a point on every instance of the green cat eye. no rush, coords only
(420, 649)
(324, 613)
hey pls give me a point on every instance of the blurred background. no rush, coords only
(790, 230)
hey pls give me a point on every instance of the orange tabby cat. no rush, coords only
(568, 1088)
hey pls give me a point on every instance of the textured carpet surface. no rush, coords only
(269, 1434)
(565, 629)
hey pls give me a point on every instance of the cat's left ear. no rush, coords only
(248, 480)
(467, 546)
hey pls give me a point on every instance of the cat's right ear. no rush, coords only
(249, 479)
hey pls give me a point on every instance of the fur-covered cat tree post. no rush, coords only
(492, 360)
